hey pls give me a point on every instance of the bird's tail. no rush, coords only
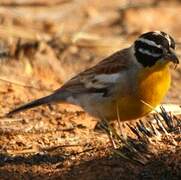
(35, 103)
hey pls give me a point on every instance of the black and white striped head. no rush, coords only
(154, 46)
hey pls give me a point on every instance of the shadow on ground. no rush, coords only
(46, 166)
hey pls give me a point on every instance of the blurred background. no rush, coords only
(43, 44)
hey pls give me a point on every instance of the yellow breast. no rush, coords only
(152, 85)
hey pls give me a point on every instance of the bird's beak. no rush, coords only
(171, 56)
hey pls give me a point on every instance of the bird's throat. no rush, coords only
(154, 83)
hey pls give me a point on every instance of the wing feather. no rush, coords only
(99, 77)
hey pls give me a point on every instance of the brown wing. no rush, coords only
(86, 81)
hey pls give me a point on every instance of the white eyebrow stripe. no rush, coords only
(149, 42)
(148, 52)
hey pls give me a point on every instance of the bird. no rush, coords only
(128, 84)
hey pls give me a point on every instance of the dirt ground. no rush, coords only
(42, 45)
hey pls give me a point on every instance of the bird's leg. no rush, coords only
(108, 128)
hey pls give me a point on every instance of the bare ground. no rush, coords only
(44, 44)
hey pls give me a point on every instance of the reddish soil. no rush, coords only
(44, 44)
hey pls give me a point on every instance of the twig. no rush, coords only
(24, 85)
(33, 3)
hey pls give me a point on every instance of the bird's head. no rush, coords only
(153, 47)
